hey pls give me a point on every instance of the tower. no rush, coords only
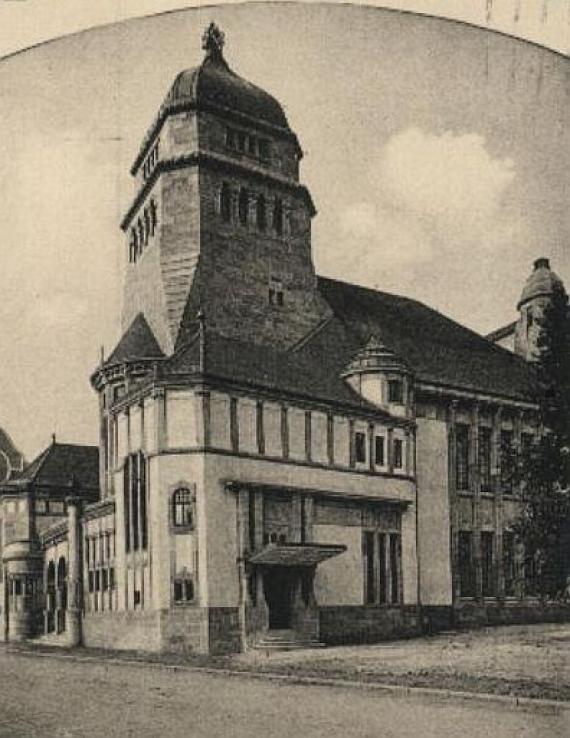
(536, 295)
(220, 221)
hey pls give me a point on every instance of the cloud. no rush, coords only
(428, 192)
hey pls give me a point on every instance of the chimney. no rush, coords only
(542, 263)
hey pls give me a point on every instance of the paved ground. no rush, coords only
(532, 660)
(42, 697)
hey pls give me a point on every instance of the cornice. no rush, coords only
(228, 113)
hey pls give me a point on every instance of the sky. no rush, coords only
(437, 155)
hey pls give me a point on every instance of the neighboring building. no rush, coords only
(11, 460)
(282, 457)
(521, 335)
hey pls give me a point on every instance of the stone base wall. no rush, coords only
(367, 624)
(122, 631)
(184, 630)
(224, 630)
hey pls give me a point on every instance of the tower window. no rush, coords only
(230, 138)
(396, 391)
(360, 447)
(226, 202)
(243, 206)
(379, 450)
(263, 148)
(241, 141)
(398, 453)
(276, 292)
(261, 213)
(278, 216)
(146, 226)
(152, 217)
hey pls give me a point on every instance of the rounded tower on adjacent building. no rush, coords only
(537, 294)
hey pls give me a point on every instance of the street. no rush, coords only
(45, 697)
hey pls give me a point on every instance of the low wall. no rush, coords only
(367, 624)
(472, 614)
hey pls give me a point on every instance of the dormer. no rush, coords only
(381, 377)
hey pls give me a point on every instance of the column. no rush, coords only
(475, 489)
(452, 490)
(309, 504)
(73, 573)
(497, 488)
(296, 517)
(5, 602)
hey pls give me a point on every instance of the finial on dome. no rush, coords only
(213, 42)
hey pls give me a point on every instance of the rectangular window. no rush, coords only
(398, 453)
(97, 581)
(263, 148)
(111, 578)
(382, 578)
(137, 598)
(485, 459)
(127, 502)
(360, 447)
(90, 580)
(368, 557)
(396, 391)
(466, 569)
(462, 457)
(105, 580)
(487, 563)
(395, 567)
(509, 562)
(507, 460)
(379, 445)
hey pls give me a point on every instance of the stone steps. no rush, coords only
(286, 640)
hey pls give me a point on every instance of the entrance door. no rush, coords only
(278, 588)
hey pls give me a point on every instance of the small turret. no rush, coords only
(537, 293)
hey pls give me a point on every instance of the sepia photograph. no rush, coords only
(285, 377)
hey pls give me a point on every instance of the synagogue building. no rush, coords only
(283, 459)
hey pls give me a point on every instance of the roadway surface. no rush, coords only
(44, 697)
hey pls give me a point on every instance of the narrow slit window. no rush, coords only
(226, 202)
(243, 206)
(278, 216)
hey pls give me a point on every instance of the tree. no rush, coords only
(544, 468)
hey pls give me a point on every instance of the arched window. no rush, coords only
(182, 508)
(261, 212)
(226, 202)
(243, 206)
(278, 216)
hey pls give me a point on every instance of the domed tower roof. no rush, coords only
(213, 83)
(375, 356)
(543, 282)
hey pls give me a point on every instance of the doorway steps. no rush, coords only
(286, 640)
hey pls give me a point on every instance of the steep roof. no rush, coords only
(137, 342)
(62, 465)
(264, 366)
(438, 349)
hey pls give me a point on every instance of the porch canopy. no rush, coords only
(295, 554)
